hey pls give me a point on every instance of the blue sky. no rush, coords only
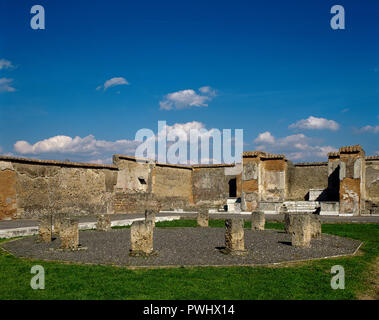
(275, 69)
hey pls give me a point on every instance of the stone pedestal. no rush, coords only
(257, 220)
(58, 218)
(203, 218)
(69, 233)
(141, 238)
(287, 222)
(301, 230)
(234, 237)
(103, 222)
(316, 226)
(150, 215)
(45, 228)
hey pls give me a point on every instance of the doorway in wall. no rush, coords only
(233, 188)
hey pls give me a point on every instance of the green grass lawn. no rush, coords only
(308, 280)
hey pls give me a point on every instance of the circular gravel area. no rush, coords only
(183, 247)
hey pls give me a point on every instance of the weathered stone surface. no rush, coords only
(287, 222)
(301, 230)
(69, 233)
(150, 215)
(316, 226)
(8, 205)
(103, 222)
(141, 238)
(234, 236)
(258, 220)
(203, 218)
(45, 228)
(305, 176)
(57, 220)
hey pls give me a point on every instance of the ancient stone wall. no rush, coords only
(32, 188)
(272, 182)
(213, 184)
(302, 177)
(143, 185)
(372, 179)
(172, 185)
(8, 198)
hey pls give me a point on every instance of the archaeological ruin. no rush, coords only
(346, 184)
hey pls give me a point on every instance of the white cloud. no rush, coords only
(313, 123)
(369, 129)
(117, 81)
(208, 91)
(5, 64)
(295, 147)
(187, 98)
(5, 85)
(265, 137)
(87, 148)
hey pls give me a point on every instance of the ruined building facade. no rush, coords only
(348, 183)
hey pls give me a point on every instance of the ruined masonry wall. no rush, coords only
(301, 178)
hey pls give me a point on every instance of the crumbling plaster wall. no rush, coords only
(172, 186)
(303, 177)
(210, 184)
(250, 188)
(8, 195)
(272, 181)
(372, 180)
(31, 189)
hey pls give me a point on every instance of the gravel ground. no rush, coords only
(183, 247)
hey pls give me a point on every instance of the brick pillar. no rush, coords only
(352, 180)
(249, 180)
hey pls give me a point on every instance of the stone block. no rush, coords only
(203, 218)
(69, 233)
(234, 236)
(58, 222)
(287, 222)
(316, 226)
(103, 222)
(150, 215)
(257, 220)
(45, 228)
(141, 238)
(301, 230)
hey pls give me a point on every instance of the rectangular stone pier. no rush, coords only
(301, 230)
(234, 236)
(45, 228)
(203, 218)
(69, 233)
(103, 222)
(141, 238)
(257, 220)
